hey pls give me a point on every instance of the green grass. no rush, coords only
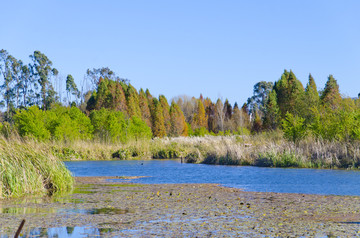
(29, 168)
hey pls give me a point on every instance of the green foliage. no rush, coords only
(31, 123)
(158, 123)
(27, 168)
(59, 123)
(289, 91)
(138, 129)
(109, 126)
(202, 131)
(331, 96)
(294, 127)
(272, 114)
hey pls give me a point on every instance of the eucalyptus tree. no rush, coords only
(71, 88)
(261, 91)
(41, 69)
(94, 76)
(7, 88)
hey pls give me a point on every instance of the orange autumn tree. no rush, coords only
(178, 125)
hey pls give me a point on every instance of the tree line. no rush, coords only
(109, 108)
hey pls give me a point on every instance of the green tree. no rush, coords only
(261, 91)
(42, 70)
(95, 75)
(272, 116)
(331, 96)
(132, 99)
(166, 113)
(7, 87)
(71, 88)
(144, 107)
(109, 125)
(294, 127)
(157, 118)
(289, 92)
(31, 123)
(138, 129)
(311, 99)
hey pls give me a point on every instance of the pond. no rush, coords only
(289, 180)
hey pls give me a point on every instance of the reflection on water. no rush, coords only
(67, 231)
(38, 210)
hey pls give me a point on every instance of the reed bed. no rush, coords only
(268, 149)
(30, 168)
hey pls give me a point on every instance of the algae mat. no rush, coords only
(98, 207)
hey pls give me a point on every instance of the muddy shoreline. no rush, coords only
(123, 209)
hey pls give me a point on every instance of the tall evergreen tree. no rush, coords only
(311, 100)
(166, 113)
(157, 118)
(289, 92)
(132, 99)
(228, 110)
(331, 96)
(144, 107)
(272, 116)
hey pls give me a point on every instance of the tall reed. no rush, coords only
(28, 167)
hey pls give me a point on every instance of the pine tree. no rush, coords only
(311, 100)
(272, 116)
(331, 96)
(289, 92)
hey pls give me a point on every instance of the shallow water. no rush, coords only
(309, 181)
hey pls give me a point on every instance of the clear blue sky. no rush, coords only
(175, 47)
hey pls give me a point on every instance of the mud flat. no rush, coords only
(102, 207)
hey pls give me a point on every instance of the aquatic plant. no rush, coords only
(29, 168)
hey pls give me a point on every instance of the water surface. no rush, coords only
(310, 181)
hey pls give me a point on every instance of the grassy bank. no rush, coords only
(267, 150)
(30, 168)
(273, 151)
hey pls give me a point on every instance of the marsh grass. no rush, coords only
(30, 168)
(266, 149)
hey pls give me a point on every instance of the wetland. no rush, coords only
(153, 205)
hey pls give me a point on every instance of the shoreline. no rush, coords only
(170, 210)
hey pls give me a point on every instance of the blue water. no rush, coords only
(310, 181)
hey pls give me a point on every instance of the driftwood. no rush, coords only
(19, 229)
